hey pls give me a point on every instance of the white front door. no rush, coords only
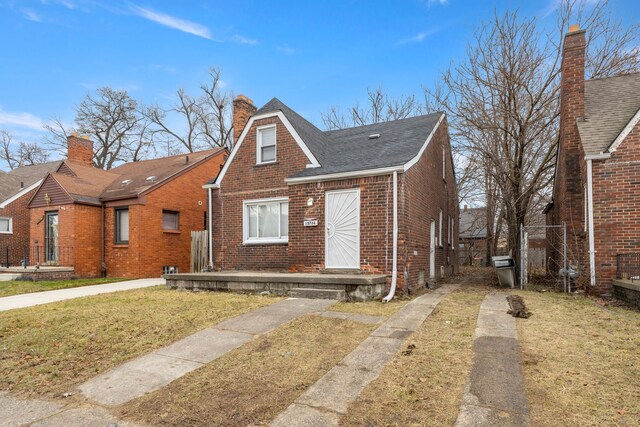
(342, 229)
(432, 251)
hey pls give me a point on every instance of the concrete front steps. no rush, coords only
(354, 287)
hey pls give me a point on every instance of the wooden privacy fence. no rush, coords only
(198, 251)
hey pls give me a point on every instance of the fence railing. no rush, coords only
(63, 256)
(628, 266)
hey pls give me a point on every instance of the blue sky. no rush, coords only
(312, 55)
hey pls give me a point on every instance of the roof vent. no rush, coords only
(151, 178)
(127, 181)
(374, 136)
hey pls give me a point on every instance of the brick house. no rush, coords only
(597, 174)
(293, 198)
(130, 221)
(16, 188)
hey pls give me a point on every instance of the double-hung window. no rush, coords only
(266, 221)
(266, 144)
(122, 226)
(170, 220)
(440, 229)
(6, 225)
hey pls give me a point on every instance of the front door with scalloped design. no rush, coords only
(342, 229)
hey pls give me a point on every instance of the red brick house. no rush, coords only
(597, 175)
(16, 188)
(293, 198)
(131, 221)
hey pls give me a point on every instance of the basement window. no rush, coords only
(170, 220)
(122, 226)
(6, 225)
(266, 221)
(266, 144)
(170, 269)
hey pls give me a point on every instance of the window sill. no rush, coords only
(6, 232)
(121, 245)
(171, 231)
(264, 242)
(257, 165)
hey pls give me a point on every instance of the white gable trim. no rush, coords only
(283, 119)
(413, 161)
(19, 194)
(343, 175)
(626, 131)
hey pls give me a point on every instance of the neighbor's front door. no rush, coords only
(51, 237)
(342, 234)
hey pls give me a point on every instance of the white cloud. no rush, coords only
(286, 49)
(418, 38)
(173, 22)
(23, 120)
(31, 15)
(244, 40)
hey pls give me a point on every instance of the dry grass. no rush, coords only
(252, 384)
(49, 349)
(16, 287)
(425, 387)
(371, 308)
(581, 361)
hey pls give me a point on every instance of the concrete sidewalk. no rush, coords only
(37, 298)
(494, 394)
(328, 399)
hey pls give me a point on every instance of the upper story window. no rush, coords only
(266, 144)
(440, 229)
(170, 220)
(122, 226)
(444, 163)
(266, 221)
(6, 225)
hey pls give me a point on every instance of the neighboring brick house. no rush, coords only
(16, 188)
(294, 198)
(597, 175)
(131, 221)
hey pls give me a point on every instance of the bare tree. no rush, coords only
(379, 107)
(110, 118)
(205, 120)
(21, 153)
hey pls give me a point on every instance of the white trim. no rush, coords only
(601, 156)
(19, 194)
(424, 146)
(10, 225)
(213, 186)
(259, 145)
(245, 222)
(344, 175)
(326, 234)
(286, 123)
(626, 131)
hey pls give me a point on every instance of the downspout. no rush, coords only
(394, 274)
(210, 220)
(592, 245)
(103, 264)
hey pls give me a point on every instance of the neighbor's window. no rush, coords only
(170, 220)
(440, 229)
(122, 225)
(6, 225)
(266, 144)
(266, 221)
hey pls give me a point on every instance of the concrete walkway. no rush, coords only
(155, 370)
(326, 400)
(37, 298)
(494, 394)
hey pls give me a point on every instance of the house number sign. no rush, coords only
(310, 222)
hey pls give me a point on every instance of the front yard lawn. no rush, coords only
(16, 287)
(50, 349)
(581, 361)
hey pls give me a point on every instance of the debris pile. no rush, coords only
(517, 307)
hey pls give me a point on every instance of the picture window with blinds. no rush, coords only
(266, 221)
(266, 144)
(170, 220)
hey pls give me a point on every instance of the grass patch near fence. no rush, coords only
(17, 287)
(581, 361)
(424, 388)
(254, 383)
(50, 349)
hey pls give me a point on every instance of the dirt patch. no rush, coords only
(49, 349)
(581, 361)
(252, 384)
(372, 308)
(423, 384)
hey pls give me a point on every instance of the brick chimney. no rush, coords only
(80, 149)
(243, 109)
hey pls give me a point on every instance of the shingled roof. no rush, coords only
(352, 149)
(16, 180)
(610, 104)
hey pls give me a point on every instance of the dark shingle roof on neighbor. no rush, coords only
(610, 103)
(473, 223)
(12, 182)
(351, 149)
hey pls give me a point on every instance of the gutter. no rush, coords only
(592, 245)
(394, 274)
(210, 220)
(345, 175)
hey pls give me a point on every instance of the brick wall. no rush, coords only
(13, 246)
